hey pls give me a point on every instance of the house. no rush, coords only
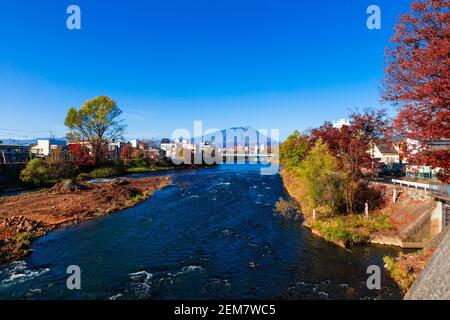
(425, 172)
(44, 147)
(10, 153)
(168, 147)
(387, 153)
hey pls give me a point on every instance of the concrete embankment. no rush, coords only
(434, 282)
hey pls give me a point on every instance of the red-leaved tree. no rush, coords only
(81, 155)
(418, 81)
(351, 143)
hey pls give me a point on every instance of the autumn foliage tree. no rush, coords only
(81, 155)
(350, 145)
(418, 81)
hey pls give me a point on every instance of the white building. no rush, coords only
(340, 123)
(135, 143)
(44, 147)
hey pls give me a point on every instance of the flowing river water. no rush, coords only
(212, 234)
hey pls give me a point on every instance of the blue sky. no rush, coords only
(263, 63)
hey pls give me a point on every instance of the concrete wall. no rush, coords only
(434, 282)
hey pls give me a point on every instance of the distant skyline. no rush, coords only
(260, 63)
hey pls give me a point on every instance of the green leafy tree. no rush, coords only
(96, 122)
(294, 150)
(35, 173)
(322, 180)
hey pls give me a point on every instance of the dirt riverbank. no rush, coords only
(26, 217)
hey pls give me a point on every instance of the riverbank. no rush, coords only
(407, 223)
(344, 231)
(26, 217)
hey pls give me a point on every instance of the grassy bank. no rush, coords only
(143, 169)
(344, 230)
(350, 230)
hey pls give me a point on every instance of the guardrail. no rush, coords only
(417, 185)
(442, 189)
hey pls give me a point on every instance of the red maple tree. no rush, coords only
(418, 81)
(81, 155)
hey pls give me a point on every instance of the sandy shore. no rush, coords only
(26, 217)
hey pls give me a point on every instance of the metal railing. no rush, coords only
(434, 188)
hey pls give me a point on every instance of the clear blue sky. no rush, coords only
(263, 63)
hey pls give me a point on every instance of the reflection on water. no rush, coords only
(212, 234)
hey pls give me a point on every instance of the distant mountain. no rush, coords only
(236, 136)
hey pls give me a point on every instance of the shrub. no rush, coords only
(402, 276)
(25, 236)
(406, 267)
(58, 165)
(35, 173)
(287, 208)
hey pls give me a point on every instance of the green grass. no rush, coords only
(105, 172)
(351, 230)
(148, 169)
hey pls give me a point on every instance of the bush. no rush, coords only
(59, 166)
(25, 236)
(35, 173)
(287, 208)
(407, 267)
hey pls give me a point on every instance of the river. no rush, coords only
(212, 234)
